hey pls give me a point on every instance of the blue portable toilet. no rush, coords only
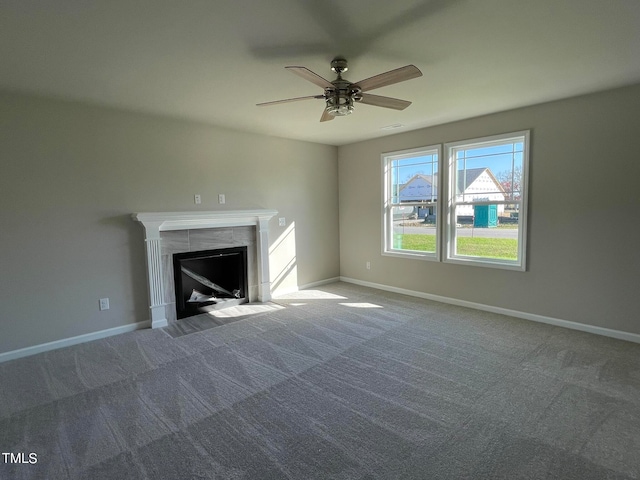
(485, 216)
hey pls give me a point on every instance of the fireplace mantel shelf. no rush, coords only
(156, 222)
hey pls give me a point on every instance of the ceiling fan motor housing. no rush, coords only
(340, 99)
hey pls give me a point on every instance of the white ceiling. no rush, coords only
(213, 60)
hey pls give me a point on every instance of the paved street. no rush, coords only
(463, 231)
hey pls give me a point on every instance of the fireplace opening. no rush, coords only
(209, 280)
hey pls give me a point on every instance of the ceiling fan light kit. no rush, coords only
(340, 94)
(339, 105)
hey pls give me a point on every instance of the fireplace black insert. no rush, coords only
(209, 280)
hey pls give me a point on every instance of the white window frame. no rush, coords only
(388, 204)
(450, 194)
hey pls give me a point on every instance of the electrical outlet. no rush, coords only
(221, 199)
(104, 304)
(282, 222)
(197, 199)
(368, 265)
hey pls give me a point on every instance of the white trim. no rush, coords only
(486, 262)
(88, 337)
(606, 332)
(155, 222)
(412, 255)
(67, 342)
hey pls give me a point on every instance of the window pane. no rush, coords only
(494, 170)
(486, 219)
(414, 179)
(411, 208)
(414, 228)
(487, 231)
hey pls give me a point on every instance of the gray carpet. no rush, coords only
(344, 382)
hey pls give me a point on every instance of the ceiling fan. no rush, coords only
(340, 94)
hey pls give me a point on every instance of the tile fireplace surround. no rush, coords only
(157, 222)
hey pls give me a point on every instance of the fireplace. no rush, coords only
(182, 231)
(209, 280)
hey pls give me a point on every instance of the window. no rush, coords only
(411, 226)
(486, 191)
(480, 218)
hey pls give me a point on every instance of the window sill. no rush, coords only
(411, 254)
(487, 263)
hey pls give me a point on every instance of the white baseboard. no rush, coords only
(607, 332)
(159, 323)
(66, 342)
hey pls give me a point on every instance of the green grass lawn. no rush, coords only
(506, 248)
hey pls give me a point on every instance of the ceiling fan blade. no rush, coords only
(386, 102)
(307, 74)
(389, 78)
(325, 116)
(276, 102)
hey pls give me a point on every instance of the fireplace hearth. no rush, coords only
(209, 280)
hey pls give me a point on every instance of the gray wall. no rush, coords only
(71, 176)
(584, 214)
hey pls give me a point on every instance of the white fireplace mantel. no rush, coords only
(156, 222)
